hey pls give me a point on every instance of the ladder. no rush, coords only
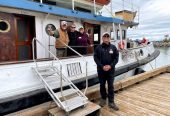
(69, 97)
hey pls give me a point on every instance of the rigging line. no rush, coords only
(109, 12)
(130, 2)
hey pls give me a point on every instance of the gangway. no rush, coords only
(69, 97)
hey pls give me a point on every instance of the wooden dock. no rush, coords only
(146, 94)
(151, 97)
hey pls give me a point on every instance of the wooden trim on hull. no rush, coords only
(33, 98)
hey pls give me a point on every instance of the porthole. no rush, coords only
(49, 26)
(4, 26)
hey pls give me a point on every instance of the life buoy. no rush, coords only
(121, 45)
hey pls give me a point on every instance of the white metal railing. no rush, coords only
(83, 59)
(72, 4)
(94, 5)
(57, 59)
(54, 59)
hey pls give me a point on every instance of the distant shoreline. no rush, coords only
(161, 44)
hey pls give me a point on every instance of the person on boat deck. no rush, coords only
(106, 57)
(62, 37)
(82, 41)
(72, 34)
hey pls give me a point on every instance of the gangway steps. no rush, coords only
(66, 92)
(47, 73)
(50, 77)
(75, 102)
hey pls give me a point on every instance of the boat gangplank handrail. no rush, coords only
(63, 78)
(57, 59)
(54, 58)
(83, 59)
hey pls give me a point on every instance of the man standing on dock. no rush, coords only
(106, 57)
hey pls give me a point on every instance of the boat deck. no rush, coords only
(149, 97)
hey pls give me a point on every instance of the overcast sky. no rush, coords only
(154, 17)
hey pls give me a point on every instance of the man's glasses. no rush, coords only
(64, 25)
(106, 36)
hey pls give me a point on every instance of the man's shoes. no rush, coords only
(102, 102)
(113, 106)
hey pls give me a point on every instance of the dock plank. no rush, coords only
(148, 98)
(154, 91)
(145, 105)
(150, 95)
(140, 111)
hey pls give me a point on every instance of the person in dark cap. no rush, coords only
(106, 57)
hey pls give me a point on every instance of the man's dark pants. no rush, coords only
(109, 77)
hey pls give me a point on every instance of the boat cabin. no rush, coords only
(19, 24)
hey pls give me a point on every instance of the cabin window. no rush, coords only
(22, 30)
(82, 9)
(118, 35)
(96, 37)
(4, 26)
(123, 34)
(112, 34)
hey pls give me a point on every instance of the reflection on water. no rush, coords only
(164, 57)
(162, 60)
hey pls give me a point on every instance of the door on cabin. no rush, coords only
(89, 30)
(93, 32)
(96, 40)
(25, 31)
(16, 34)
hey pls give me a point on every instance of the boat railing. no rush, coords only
(33, 51)
(55, 58)
(94, 2)
(141, 46)
(84, 61)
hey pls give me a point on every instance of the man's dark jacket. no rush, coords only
(73, 38)
(106, 55)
